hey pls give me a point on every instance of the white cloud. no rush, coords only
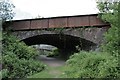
(51, 8)
(21, 15)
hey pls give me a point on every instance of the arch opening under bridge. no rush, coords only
(65, 43)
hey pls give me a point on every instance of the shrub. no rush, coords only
(3, 73)
(11, 43)
(109, 12)
(19, 68)
(18, 58)
(54, 53)
(92, 65)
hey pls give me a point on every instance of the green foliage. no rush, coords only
(103, 64)
(54, 53)
(12, 44)
(112, 41)
(18, 58)
(109, 13)
(3, 73)
(6, 10)
(19, 68)
(92, 65)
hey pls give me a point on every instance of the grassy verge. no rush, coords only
(50, 72)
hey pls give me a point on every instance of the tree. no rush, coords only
(6, 10)
(109, 12)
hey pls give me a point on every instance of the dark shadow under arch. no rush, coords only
(61, 41)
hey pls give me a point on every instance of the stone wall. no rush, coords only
(92, 34)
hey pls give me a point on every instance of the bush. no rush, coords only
(3, 73)
(19, 68)
(54, 53)
(109, 12)
(92, 65)
(11, 43)
(18, 58)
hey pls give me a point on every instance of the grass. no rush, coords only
(50, 72)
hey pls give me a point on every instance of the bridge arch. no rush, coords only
(61, 41)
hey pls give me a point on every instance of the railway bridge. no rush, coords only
(65, 32)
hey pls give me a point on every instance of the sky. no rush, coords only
(26, 9)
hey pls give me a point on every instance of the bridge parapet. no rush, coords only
(59, 22)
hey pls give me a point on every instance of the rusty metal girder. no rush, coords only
(58, 22)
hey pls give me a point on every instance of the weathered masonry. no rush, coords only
(63, 32)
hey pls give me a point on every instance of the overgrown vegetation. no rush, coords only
(53, 53)
(103, 64)
(92, 65)
(110, 14)
(18, 60)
